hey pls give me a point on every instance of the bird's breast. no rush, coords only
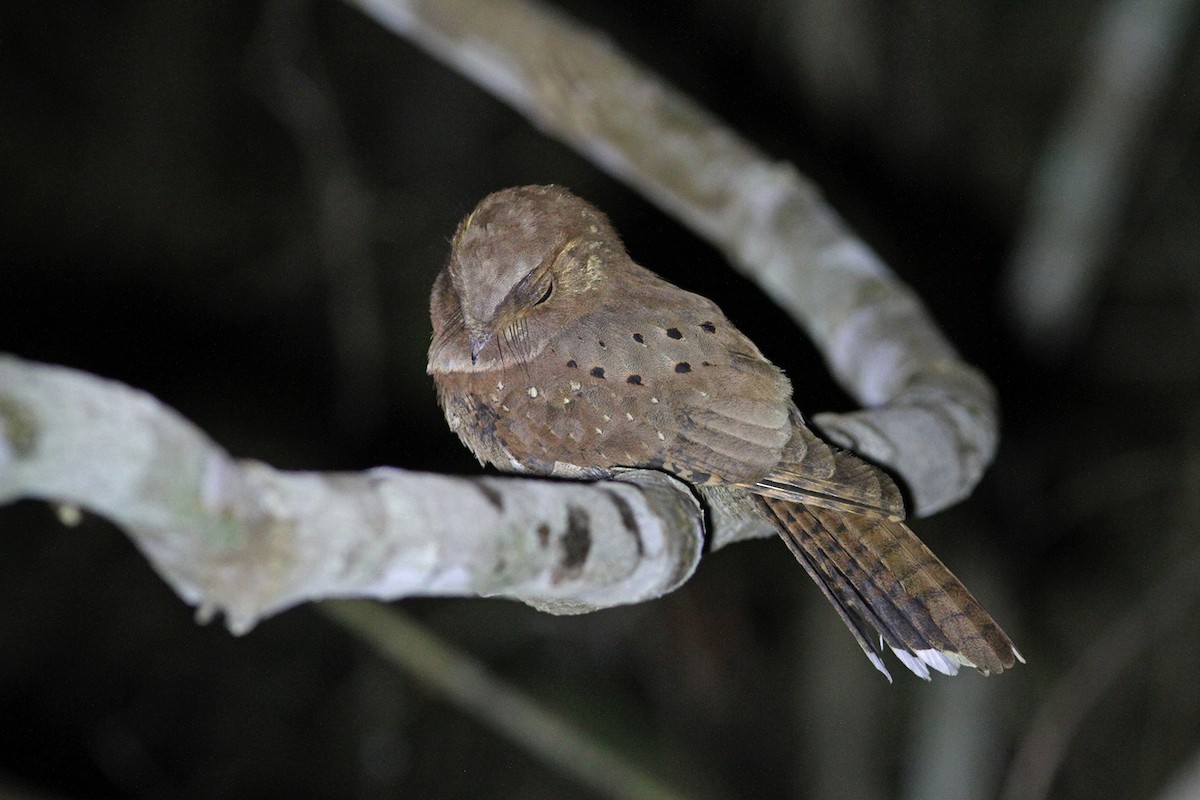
(606, 395)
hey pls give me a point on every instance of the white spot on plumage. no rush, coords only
(533, 391)
(607, 418)
(576, 386)
(629, 416)
(598, 431)
(661, 438)
(653, 399)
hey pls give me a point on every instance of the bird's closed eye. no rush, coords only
(546, 294)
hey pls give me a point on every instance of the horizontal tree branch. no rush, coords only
(932, 417)
(242, 538)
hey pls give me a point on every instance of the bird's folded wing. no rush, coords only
(816, 473)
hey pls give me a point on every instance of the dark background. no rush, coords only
(240, 208)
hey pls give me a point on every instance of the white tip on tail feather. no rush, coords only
(913, 663)
(878, 662)
(920, 661)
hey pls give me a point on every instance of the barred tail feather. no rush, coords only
(886, 585)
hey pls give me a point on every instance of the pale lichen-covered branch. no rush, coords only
(242, 538)
(931, 417)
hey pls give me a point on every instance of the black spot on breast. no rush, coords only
(706, 363)
(543, 534)
(674, 333)
(683, 366)
(700, 477)
(637, 337)
(598, 372)
(577, 540)
(572, 364)
(708, 327)
(601, 343)
(636, 380)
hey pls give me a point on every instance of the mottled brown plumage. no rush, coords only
(554, 353)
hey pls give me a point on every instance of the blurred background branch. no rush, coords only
(1078, 197)
(343, 206)
(1108, 659)
(468, 684)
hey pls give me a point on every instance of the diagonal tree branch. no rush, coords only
(468, 684)
(247, 540)
(1110, 657)
(932, 417)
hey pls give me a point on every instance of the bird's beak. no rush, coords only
(478, 343)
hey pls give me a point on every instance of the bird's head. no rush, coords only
(519, 264)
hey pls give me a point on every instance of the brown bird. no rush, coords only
(555, 354)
